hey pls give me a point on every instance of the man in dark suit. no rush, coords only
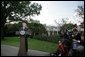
(26, 29)
(24, 34)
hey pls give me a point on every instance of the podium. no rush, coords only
(23, 41)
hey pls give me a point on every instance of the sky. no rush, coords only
(56, 10)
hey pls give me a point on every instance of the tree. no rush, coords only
(64, 20)
(11, 29)
(80, 11)
(59, 25)
(69, 26)
(37, 28)
(17, 10)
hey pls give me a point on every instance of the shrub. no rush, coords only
(51, 38)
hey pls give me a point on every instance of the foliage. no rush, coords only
(36, 29)
(69, 26)
(51, 38)
(17, 10)
(23, 8)
(80, 11)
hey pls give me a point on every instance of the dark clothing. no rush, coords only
(65, 38)
(25, 36)
(82, 43)
(26, 30)
(77, 37)
(65, 35)
(26, 44)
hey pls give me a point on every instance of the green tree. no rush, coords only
(17, 10)
(37, 28)
(11, 29)
(69, 26)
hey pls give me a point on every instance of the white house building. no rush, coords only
(52, 30)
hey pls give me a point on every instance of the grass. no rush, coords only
(32, 44)
(13, 41)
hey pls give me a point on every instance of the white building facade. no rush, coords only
(52, 30)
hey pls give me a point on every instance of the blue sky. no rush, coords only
(56, 10)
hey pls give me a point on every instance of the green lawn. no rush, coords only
(32, 44)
